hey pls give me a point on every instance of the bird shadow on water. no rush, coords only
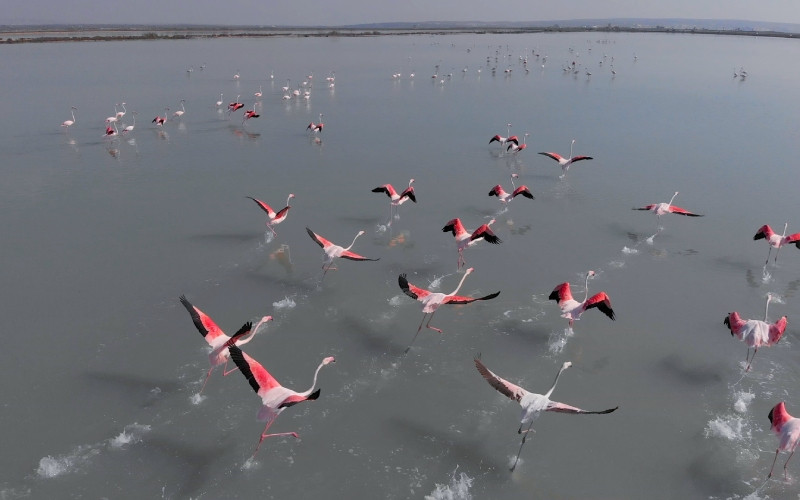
(697, 375)
(369, 338)
(224, 237)
(132, 387)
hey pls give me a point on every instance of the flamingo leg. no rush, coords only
(270, 228)
(415, 335)
(768, 254)
(773, 463)
(206, 380)
(775, 261)
(264, 434)
(787, 463)
(429, 323)
(524, 436)
(225, 373)
(751, 359)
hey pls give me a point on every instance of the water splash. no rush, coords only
(50, 467)
(397, 300)
(630, 251)
(196, 399)
(730, 427)
(130, 434)
(286, 303)
(558, 341)
(743, 400)
(458, 489)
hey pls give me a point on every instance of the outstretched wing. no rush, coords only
(793, 239)
(565, 408)
(557, 157)
(412, 291)
(601, 301)
(524, 191)
(561, 293)
(486, 233)
(259, 378)
(682, 211)
(319, 239)
(579, 158)
(409, 191)
(457, 299)
(264, 206)
(647, 207)
(386, 188)
(205, 325)
(502, 385)
(347, 254)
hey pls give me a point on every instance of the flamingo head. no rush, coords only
(590, 274)
(490, 222)
(469, 271)
(410, 182)
(573, 141)
(291, 195)
(515, 176)
(328, 360)
(566, 365)
(360, 233)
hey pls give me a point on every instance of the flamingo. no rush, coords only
(120, 114)
(316, 127)
(217, 339)
(181, 111)
(503, 140)
(432, 300)
(466, 239)
(776, 240)
(788, 428)
(396, 199)
(259, 93)
(532, 404)
(663, 208)
(161, 120)
(274, 397)
(572, 309)
(130, 128)
(111, 131)
(566, 162)
(515, 147)
(285, 88)
(219, 103)
(68, 123)
(234, 105)
(236, 75)
(250, 113)
(506, 197)
(755, 333)
(275, 218)
(112, 119)
(333, 251)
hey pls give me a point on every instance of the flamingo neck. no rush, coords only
(570, 149)
(586, 296)
(548, 393)
(459, 284)
(288, 200)
(766, 309)
(673, 197)
(354, 242)
(314, 383)
(785, 227)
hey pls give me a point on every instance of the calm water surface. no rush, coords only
(101, 364)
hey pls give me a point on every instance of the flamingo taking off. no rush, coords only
(316, 127)
(274, 397)
(235, 105)
(788, 428)
(566, 162)
(506, 197)
(275, 218)
(68, 123)
(466, 239)
(333, 251)
(504, 140)
(776, 240)
(396, 199)
(668, 208)
(161, 120)
(111, 131)
(532, 404)
(217, 339)
(755, 333)
(515, 147)
(249, 113)
(432, 300)
(572, 309)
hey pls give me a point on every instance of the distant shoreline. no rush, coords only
(59, 34)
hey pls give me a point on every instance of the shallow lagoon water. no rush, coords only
(102, 365)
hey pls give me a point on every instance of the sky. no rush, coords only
(342, 12)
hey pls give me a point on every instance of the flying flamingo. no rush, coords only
(515, 147)
(506, 197)
(130, 128)
(566, 162)
(250, 113)
(333, 251)
(275, 218)
(664, 208)
(776, 240)
(532, 404)
(219, 103)
(68, 123)
(316, 127)
(572, 309)
(466, 239)
(234, 106)
(217, 339)
(120, 114)
(503, 140)
(396, 199)
(432, 300)
(755, 333)
(161, 120)
(274, 397)
(788, 428)
(181, 111)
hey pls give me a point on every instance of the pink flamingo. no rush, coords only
(776, 240)
(668, 208)
(68, 123)
(755, 333)
(250, 113)
(432, 300)
(161, 120)
(515, 147)
(217, 339)
(235, 105)
(112, 119)
(316, 127)
(566, 162)
(504, 140)
(110, 132)
(572, 309)
(788, 428)
(466, 239)
(181, 111)
(396, 199)
(275, 218)
(532, 404)
(333, 251)
(506, 197)
(274, 397)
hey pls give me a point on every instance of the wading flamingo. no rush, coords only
(217, 339)
(776, 240)
(396, 199)
(181, 111)
(566, 162)
(466, 239)
(68, 123)
(274, 397)
(532, 404)
(432, 300)
(572, 309)
(275, 218)
(219, 103)
(788, 428)
(120, 114)
(130, 128)
(333, 251)
(755, 333)
(506, 197)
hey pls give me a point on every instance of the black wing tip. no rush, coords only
(553, 295)
(314, 395)
(494, 240)
(759, 236)
(490, 296)
(610, 410)
(528, 195)
(413, 197)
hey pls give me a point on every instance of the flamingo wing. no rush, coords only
(347, 254)
(409, 192)
(524, 191)
(502, 385)
(496, 191)
(579, 158)
(647, 207)
(776, 330)
(763, 232)
(458, 299)
(386, 188)
(496, 138)
(793, 239)
(486, 233)
(297, 398)
(601, 301)
(682, 211)
(259, 378)
(412, 291)
(565, 408)
(561, 293)
(205, 325)
(557, 157)
(319, 239)
(264, 207)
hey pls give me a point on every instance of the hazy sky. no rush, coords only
(339, 12)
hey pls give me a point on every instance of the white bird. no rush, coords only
(69, 123)
(181, 111)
